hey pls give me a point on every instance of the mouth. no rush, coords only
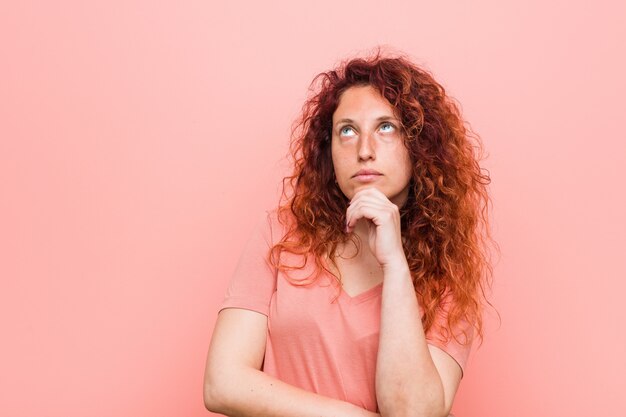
(367, 175)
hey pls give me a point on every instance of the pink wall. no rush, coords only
(138, 139)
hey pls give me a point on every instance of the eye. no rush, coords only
(346, 131)
(387, 127)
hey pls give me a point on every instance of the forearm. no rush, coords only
(407, 381)
(248, 392)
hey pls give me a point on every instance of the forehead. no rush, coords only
(363, 101)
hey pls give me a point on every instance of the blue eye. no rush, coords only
(387, 127)
(345, 131)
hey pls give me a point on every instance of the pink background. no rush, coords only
(140, 140)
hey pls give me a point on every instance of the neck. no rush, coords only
(349, 249)
(361, 229)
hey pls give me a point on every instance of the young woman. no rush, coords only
(362, 293)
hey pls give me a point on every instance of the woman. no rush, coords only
(362, 293)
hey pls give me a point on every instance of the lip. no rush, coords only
(367, 175)
(367, 172)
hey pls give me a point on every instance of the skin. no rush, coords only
(412, 378)
(234, 384)
(366, 135)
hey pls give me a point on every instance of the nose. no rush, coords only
(366, 147)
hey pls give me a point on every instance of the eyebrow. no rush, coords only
(379, 119)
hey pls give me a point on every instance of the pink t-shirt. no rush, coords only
(315, 340)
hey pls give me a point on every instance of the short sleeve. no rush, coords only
(254, 281)
(458, 350)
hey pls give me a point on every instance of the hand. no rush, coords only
(383, 221)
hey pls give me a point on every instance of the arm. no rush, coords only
(412, 378)
(234, 384)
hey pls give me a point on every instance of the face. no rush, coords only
(368, 146)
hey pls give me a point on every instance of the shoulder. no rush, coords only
(457, 340)
(274, 224)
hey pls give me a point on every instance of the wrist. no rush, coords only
(356, 411)
(396, 268)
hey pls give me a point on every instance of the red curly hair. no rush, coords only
(445, 219)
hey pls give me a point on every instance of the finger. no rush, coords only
(352, 213)
(376, 199)
(379, 200)
(375, 211)
(370, 191)
(371, 201)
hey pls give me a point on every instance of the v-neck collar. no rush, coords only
(365, 295)
(372, 292)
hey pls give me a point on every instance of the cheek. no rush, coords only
(338, 162)
(339, 168)
(408, 167)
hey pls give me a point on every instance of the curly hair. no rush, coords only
(444, 222)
